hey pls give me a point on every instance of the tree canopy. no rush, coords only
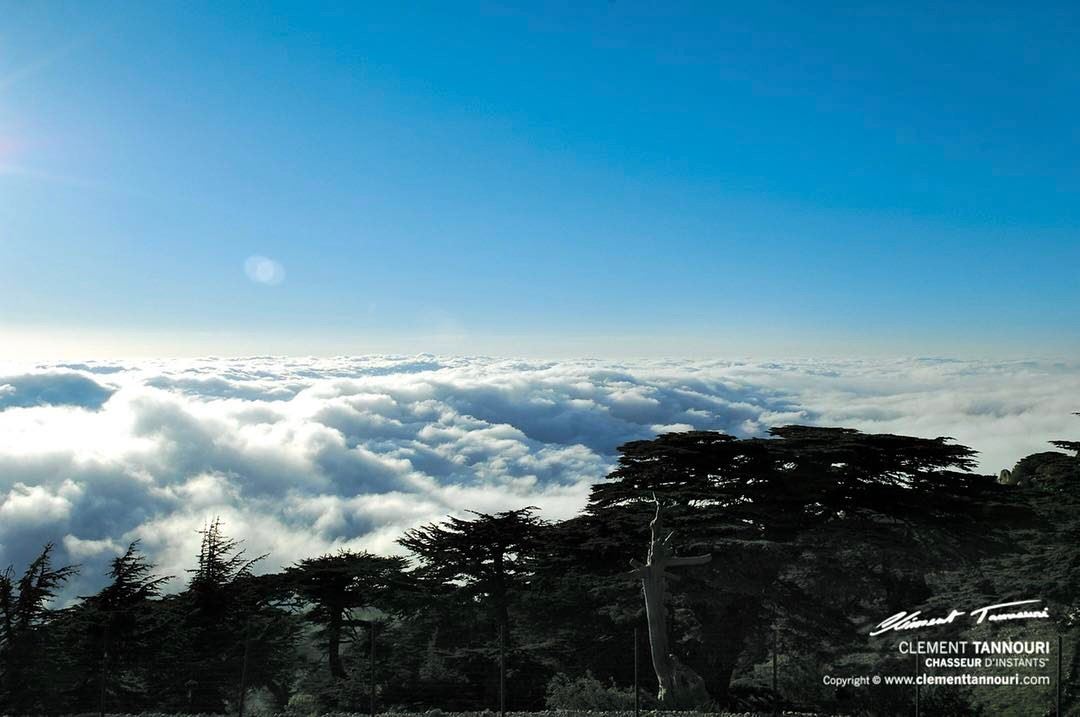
(812, 536)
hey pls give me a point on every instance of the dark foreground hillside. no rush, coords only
(802, 543)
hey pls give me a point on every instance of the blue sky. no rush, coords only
(608, 178)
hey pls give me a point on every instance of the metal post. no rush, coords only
(371, 668)
(917, 705)
(104, 664)
(637, 690)
(244, 668)
(775, 686)
(1060, 650)
(502, 672)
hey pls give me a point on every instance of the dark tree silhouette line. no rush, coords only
(812, 536)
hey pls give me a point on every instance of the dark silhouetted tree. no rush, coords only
(212, 619)
(489, 556)
(118, 632)
(339, 583)
(766, 508)
(31, 662)
(487, 559)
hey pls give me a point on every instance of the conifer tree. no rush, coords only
(339, 583)
(29, 656)
(118, 632)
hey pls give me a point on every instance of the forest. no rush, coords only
(812, 535)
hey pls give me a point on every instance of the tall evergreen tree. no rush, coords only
(118, 632)
(337, 584)
(489, 556)
(212, 619)
(488, 560)
(29, 656)
(766, 509)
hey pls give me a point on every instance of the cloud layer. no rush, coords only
(302, 456)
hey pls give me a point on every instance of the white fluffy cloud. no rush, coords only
(302, 456)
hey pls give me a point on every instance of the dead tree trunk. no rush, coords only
(679, 686)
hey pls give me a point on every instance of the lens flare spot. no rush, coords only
(262, 270)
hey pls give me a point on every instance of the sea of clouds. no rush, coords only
(304, 456)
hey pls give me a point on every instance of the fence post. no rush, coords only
(1060, 650)
(371, 667)
(502, 672)
(104, 664)
(637, 690)
(917, 705)
(775, 681)
(244, 667)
